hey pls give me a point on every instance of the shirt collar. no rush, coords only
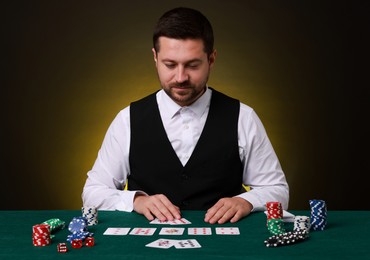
(170, 108)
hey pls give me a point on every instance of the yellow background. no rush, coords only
(70, 66)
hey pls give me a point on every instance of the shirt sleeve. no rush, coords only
(104, 186)
(262, 170)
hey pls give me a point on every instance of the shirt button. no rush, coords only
(186, 127)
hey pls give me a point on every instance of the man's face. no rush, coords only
(183, 68)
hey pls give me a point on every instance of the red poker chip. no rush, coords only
(41, 235)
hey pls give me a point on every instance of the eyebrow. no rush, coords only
(187, 62)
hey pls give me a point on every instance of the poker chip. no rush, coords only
(319, 215)
(302, 223)
(77, 224)
(274, 210)
(41, 235)
(78, 228)
(55, 224)
(90, 214)
(287, 238)
(275, 226)
(79, 235)
(275, 223)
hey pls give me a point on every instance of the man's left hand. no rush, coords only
(228, 209)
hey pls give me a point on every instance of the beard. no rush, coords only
(184, 94)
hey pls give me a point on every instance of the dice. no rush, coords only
(89, 241)
(62, 248)
(76, 243)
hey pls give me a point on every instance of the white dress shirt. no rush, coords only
(104, 187)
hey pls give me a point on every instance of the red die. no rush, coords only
(76, 243)
(90, 241)
(62, 248)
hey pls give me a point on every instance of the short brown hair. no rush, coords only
(184, 23)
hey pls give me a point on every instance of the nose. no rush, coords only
(181, 75)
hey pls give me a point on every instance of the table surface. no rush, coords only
(346, 236)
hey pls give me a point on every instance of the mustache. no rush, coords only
(182, 84)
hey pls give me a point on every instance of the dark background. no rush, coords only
(68, 67)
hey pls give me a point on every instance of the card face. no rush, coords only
(157, 221)
(116, 231)
(181, 221)
(227, 231)
(161, 243)
(199, 231)
(143, 231)
(188, 243)
(172, 231)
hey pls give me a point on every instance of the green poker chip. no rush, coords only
(276, 226)
(55, 224)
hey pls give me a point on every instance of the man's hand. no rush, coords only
(226, 209)
(158, 206)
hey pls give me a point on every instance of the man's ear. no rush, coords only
(154, 56)
(212, 58)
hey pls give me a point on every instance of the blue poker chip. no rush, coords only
(77, 224)
(319, 214)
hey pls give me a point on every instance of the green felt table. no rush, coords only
(346, 237)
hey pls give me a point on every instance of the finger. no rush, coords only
(147, 205)
(233, 215)
(157, 212)
(163, 209)
(212, 214)
(220, 216)
(228, 209)
(243, 209)
(148, 215)
(169, 210)
(238, 215)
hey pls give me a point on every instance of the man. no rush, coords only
(186, 146)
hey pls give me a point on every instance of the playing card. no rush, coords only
(172, 231)
(199, 231)
(161, 243)
(143, 231)
(157, 221)
(116, 231)
(181, 221)
(227, 231)
(188, 243)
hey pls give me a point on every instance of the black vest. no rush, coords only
(214, 169)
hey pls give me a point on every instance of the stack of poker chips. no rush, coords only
(55, 224)
(41, 235)
(78, 229)
(275, 223)
(319, 214)
(91, 215)
(287, 238)
(302, 223)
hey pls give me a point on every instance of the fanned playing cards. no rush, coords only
(181, 221)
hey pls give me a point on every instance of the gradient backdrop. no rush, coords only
(70, 66)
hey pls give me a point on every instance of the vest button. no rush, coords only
(184, 176)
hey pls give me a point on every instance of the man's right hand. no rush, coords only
(156, 206)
